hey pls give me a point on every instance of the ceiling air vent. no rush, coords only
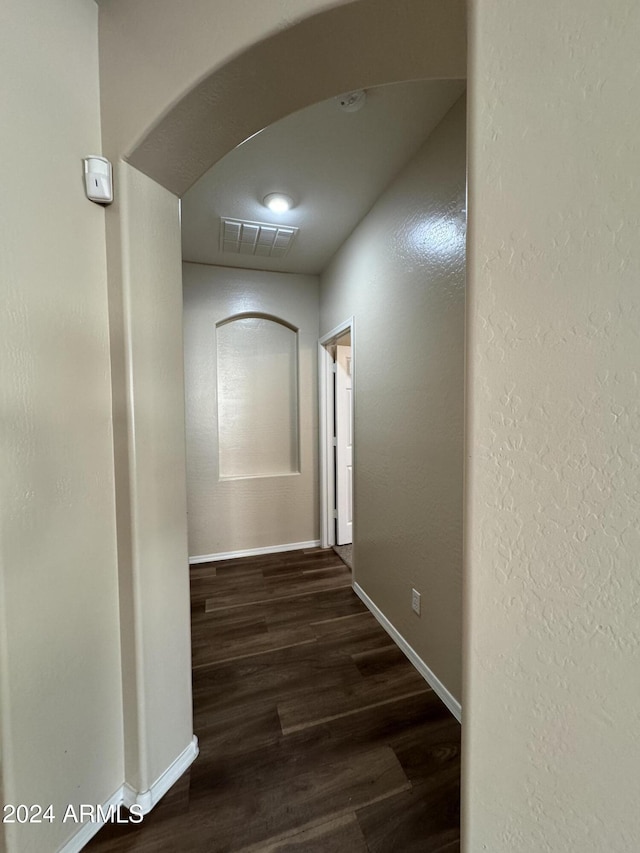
(255, 238)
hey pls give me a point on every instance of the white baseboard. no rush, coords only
(254, 552)
(86, 832)
(429, 676)
(148, 799)
(127, 796)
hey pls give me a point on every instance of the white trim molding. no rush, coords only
(148, 799)
(127, 796)
(326, 406)
(254, 552)
(83, 836)
(428, 674)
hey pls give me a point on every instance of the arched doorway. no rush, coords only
(346, 46)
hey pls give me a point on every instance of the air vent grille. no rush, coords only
(255, 238)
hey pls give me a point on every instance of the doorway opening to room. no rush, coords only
(336, 400)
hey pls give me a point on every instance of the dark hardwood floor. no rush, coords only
(316, 733)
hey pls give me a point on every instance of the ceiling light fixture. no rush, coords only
(278, 202)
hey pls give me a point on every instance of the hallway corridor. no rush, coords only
(316, 734)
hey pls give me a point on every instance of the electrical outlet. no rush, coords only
(415, 601)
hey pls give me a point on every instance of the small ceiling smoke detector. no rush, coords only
(278, 202)
(351, 102)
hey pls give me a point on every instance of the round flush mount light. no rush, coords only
(278, 202)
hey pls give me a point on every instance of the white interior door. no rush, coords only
(344, 446)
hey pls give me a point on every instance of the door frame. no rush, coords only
(326, 414)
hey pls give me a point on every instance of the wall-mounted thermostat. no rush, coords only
(98, 181)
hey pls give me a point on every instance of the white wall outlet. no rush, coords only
(415, 601)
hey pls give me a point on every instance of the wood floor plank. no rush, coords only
(302, 565)
(331, 619)
(217, 637)
(256, 729)
(404, 724)
(230, 588)
(228, 625)
(376, 662)
(272, 641)
(201, 570)
(424, 819)
(268, 590)
(253, 569)
(324, 577)
(268, 679)
(352, 636)
(295, 791)
(304, 609)
(326, 571)
(333, 836)
(350, 709)
(315, 706)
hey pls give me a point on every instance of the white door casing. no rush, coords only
(344, 445)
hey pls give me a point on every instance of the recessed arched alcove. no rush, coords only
(349, 46)
(257, 396)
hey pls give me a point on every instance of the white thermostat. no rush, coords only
(98, 181)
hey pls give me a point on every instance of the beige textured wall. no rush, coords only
(552, 741)
(147, 367)
(402, 275)
(232, 515)
(60, 659)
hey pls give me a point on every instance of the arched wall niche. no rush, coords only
(257, 396)
(352, 45)
(258, 315)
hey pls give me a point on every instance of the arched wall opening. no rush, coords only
(349, 45)
(352, 45)
(553, 307)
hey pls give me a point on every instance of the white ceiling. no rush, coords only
(333, 163)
